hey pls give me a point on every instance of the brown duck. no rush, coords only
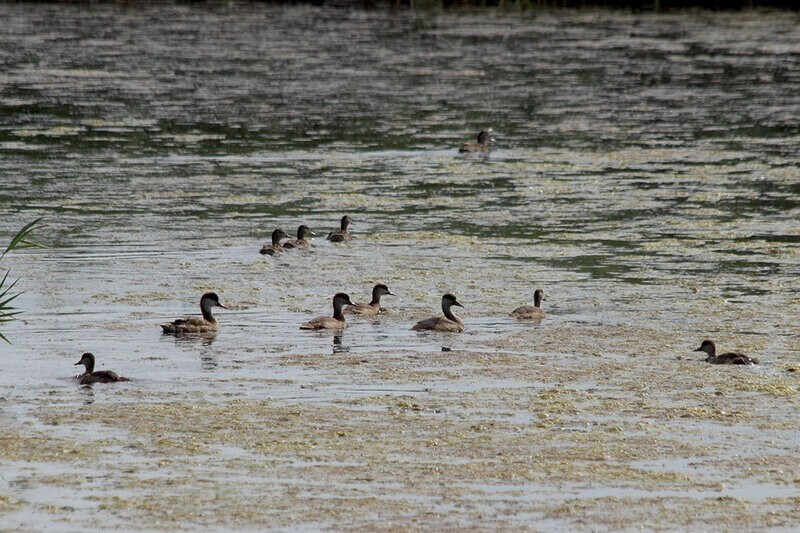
(483, 146)
(275, 247)
(534, 311)
(341, 235)
(374, 307)
(205, 324)
(303, 232)
(92, 376)
(448, 322)
(730, 358)
(337, 321)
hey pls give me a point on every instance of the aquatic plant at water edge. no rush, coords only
(20, 240)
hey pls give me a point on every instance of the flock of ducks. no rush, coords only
(342, 305)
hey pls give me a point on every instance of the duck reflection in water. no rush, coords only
(193, 339)
(208, 361)
(338, 347)
(87, 393)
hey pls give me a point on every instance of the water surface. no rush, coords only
(644, 177)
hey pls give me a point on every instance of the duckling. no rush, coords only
(194, 324)
(300, 242)
(449, 322)
(275, 247)
(374, 307)
(483, 146)
(730, 358)
(90, 376)
(534, 311)
(342, 234)
(337, 321)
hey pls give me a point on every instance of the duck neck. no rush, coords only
(207, 316)
(537, 299)
(276, 239)
(376, 299)
(449, 314)
(89, 367)
(337, 310)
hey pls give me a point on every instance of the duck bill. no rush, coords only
(458, 304)
(698, 350)
(219, 304)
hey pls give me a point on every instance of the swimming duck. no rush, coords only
(275, 247)
(101, 376)
(374, 307)
(730, 358)
(534, 311)
(300, 242)
(449, 322)
(194, 324)
(337, 321)
(484, 144)
(342, 234)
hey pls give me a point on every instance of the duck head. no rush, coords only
(87, 360)
(707, 346)
(339, 302)
(304, 231)
(449, 300)
(208, 301)
(277, 235)
(485, 137)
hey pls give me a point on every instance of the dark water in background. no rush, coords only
(645, 172)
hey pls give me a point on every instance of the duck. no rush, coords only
(534, 311)
(101, 376)
(730, 358)
(275, 247)
(374, 307)
(483, 146)
(300, 242)
(448, 322)
(342, 234)
(206, 324)
(337, 321)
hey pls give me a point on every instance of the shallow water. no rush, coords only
(645, 177)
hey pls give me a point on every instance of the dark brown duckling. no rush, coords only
(448, 322)
(730, 358)
(374, 307)
(483, 146)
(534, 311)
(206, 324)
(303, 232)
(275, 247)
(337, 321)
(342, 234)
(101, 376)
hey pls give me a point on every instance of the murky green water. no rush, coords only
(645, 176)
